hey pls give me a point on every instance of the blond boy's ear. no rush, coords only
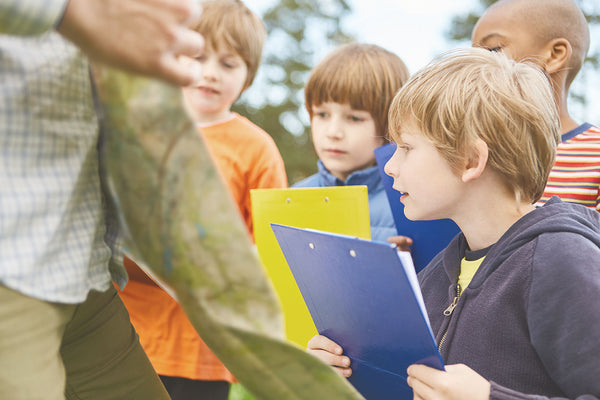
(558, 53)
(477, 162)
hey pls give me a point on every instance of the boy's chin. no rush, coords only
(414, 215)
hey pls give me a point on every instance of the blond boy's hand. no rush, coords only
(140, 36)
(458, 382)
(329, 352)
(403, 242)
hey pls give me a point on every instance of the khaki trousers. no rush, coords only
(52, 351)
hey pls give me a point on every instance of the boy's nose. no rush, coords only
(209, 71)
(388, 168)
(335, 130)
(335, 134)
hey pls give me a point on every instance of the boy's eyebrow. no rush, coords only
(228, 55)
(488, 37)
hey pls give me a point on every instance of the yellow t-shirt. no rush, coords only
(467, 271)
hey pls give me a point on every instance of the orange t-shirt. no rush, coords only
(247, 158)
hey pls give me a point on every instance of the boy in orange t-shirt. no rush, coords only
(247, 158)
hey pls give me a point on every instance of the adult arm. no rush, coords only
(140, 36)
(30, 17)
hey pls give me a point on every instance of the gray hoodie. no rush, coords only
(529, 321)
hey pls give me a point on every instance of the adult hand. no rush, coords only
(140, 36)
(458, 382)
(329, 352)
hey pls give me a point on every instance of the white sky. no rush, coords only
(415, 30)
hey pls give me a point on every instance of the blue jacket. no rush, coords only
(529, 320)
(382, 221)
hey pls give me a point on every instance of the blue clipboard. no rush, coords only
(364, 295)
(429, 237)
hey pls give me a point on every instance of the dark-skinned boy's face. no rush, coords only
(503, 29)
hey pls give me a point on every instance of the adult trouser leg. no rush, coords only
(31, 331)
(103, 356)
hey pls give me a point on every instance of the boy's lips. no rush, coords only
(335, 152)
(207, 89)
(403, 195)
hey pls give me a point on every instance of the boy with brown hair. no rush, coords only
(347, 97)
(247, 158)
(514, 311)
(555, 34)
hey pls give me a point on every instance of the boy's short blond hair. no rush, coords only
(477, 94)
(230, 24)
(365, 76)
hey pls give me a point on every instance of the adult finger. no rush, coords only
(195, 13)
(187, 43)
(182, 12)
(173, 70)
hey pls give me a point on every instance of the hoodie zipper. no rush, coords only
(448, 312)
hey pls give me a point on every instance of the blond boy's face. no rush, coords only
(344, 138)
(499, 29)
(429, 188)
(223, 77)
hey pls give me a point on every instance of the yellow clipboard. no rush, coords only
(338, 209)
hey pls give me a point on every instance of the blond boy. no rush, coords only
(247, 158)
(554, 34)
(513, 310)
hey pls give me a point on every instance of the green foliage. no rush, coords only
(299, 31)
(239, 392)
(462, 25)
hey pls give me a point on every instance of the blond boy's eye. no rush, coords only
(495, 49)
(229, 64)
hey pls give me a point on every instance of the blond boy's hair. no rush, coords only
(230, 24)
(365, 76)
(475, 94)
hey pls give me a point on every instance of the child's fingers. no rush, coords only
(342, 362)
(320, 342)
(403, 242)
(420, 389)
(329, 352)
(345, 372)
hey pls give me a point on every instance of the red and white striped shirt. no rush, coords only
(575, 176)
